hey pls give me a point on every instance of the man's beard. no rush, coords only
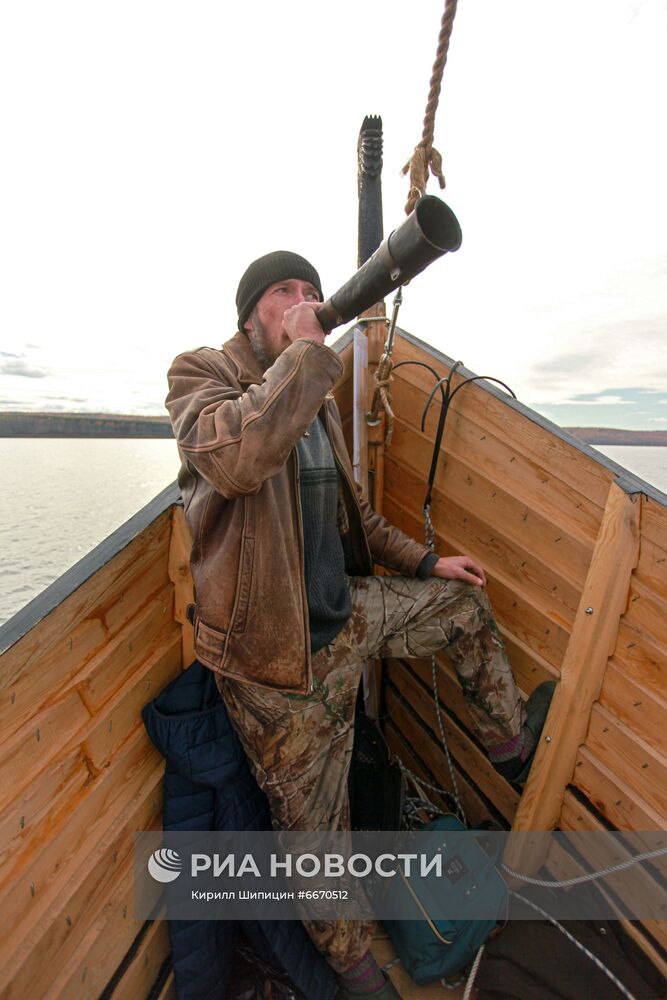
(257, 337)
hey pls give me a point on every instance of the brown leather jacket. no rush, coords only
(236, 429)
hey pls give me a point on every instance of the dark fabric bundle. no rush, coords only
(533, 960)
(375, 784)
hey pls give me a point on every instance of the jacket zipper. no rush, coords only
(304, 596)
(350, 485)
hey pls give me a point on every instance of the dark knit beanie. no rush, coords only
(277, 266)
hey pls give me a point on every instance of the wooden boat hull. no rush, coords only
(560, 530)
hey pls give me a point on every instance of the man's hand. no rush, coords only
(460, 568)
(301, 323)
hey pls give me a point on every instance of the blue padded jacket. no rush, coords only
(208, 786)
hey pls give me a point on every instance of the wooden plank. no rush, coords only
(635, 763)
(119, 660)
(641, 659)
(88, 644)
(63, 910)
(47, 657)
(576, 817)
(143, 970)
(512, 609)
(416, 749)
(29, 750)
(28, 691)
(654, 522)
(533, 483)
(449, 690)
(515, 564)
(651, 569)
(137, 592)
(29, 885)
(537, 482)
(528, 437)
(42, 804)
(620, 804)
(528, 667)
(94, 950)
(54, 793)
(461, 479)
(647, 613)
(582, 672)
(122, 714)
(638, 707)
(462, 748)
(168, 991)
(179, 573)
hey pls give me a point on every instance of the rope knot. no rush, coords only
(422, 160)
(382, 395)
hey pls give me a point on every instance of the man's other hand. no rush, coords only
(460, 568)
(301, 323)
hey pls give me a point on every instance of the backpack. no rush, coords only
(431, 949)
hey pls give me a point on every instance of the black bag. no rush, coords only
(376, 784)
(533, 960)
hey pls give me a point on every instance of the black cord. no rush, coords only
(447, 395)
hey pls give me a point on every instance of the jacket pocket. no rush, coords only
(209, 642)
(243, 585)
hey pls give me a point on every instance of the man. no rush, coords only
(287, 607)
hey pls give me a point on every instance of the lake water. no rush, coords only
(62, 496)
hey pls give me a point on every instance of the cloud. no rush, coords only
(8, 354)
(623, 396)
(601, 400)
(634, 345)
(630, 407)
(567, 364)
(22, 368)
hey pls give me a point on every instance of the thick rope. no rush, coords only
(382, 395)
(425, 157)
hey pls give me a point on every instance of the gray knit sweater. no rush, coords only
(329, 604)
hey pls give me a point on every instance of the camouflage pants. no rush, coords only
(299, 746)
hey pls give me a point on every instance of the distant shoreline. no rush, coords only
(83, 425)
(611, 435)
(122, 425)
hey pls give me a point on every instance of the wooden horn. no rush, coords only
(430, 231)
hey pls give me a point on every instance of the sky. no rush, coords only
(152, 150)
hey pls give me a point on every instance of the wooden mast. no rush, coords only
(368, 457)
(369, 339)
